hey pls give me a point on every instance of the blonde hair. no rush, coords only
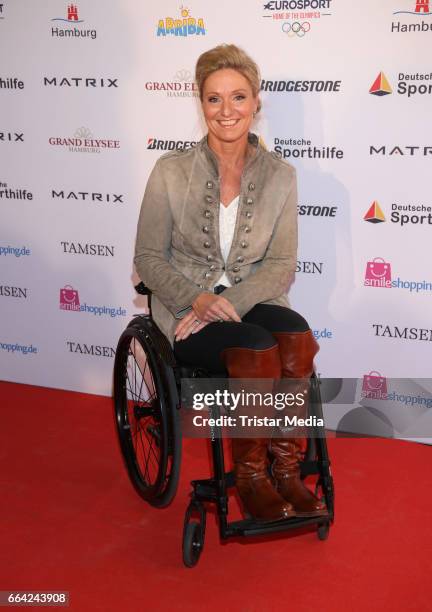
(227, 56)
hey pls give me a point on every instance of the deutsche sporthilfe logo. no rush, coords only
(381, 86)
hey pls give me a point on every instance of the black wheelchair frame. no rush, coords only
(147, 383)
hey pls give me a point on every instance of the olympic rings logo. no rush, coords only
(296, 28)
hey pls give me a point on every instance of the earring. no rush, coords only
(254, 114)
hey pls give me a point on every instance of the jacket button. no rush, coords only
(209, 184)
(207, 214)
(251, 186)
(243, 244)
(209, 257)
(206, 244)
(247, 229)
(237, 280)
(209, 199)
(236, 268)
(205, 229)
(207, 275)
(248, 214)
(249, 201)
(240, 259)
(212, 268)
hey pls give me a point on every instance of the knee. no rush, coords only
(256, 338)
(295, 323)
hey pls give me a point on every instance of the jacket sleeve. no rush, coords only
(153, 249)
(276, 269)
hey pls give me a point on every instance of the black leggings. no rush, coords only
(204, 348)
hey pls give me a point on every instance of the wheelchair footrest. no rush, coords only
(248, 527)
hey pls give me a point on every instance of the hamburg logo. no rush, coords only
(381, 86)
(374, 214)
(378, 273)
(72, 15)
(421, 8)
(374, 386)
(186, 26)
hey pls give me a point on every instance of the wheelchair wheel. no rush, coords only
(145, 403)
(193, 534)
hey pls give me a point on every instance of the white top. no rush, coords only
(227, 222)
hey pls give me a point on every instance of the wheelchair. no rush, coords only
(147, 391)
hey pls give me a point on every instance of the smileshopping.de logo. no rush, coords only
(70, 300)
(379, 274)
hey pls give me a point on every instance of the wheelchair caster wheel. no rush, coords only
(193, 534)
(323, 531)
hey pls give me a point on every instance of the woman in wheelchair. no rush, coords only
(217, 244)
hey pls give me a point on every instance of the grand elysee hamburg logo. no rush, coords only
(83, 141)
(71, 17)
(183, 26)
(415, 18)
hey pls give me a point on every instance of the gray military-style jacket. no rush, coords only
(177, 253)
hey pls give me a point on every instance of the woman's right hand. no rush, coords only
(210, 307)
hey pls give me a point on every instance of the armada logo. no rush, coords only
(8, 291)
(80, 82)
(87, 196)
(94, 350)
(14, 194)
(186, 26)
(302, 148)
(309, 267)
(11, 136)
(83, 141)
(170, 145)
(402, 150)
(78, 248)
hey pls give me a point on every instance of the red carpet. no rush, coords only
(71, 521)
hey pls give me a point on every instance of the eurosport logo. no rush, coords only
(11, 83)
(384, 330)
(14, 251)
(295, 18)
(379, 275)
(83, 141)
(302, 148)
(408, 84)
(182, 85)
(9, 193)
(11, 137)
(94, 197)
(93, 350)
(300, 86)
(400, 150)
(71, 17)
(170, 145)
(20, 349)
(415, 18)
(401, 214)
(74, 82)
(70, 300)
(315, 210)
(185, 26)
(85, 248)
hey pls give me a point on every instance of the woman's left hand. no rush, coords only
(188, 325)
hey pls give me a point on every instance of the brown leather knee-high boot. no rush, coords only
(259, 497)
(297, 351)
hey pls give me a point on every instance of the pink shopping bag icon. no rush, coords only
(378, 273)
(374, 385)
(69, 298)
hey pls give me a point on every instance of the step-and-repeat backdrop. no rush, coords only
(92, 93)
